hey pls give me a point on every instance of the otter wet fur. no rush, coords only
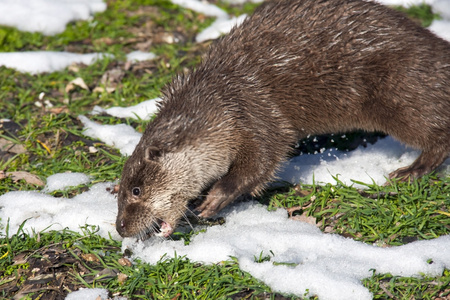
(294, 68)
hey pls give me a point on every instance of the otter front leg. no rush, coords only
(427, 161)
(223, 192)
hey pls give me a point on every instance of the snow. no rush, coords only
(202, 7)
(35, 62)
(92, 294)
(121, 136)
(442, 7)
(65, 181)
(136, 56)
(371, 164)
(221, 25)
(89, 294)
(96, 207)
(328, 265)
(47, 16)
(144, 110)
(441, 28)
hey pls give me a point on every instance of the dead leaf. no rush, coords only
(90, 257)
(74, 68)
(28, 177)
(124, 262)
(11, 147)
(305, 219)
(20, 259)
(299, 191)
(58, 110)
(122, 278)
(92, 149)
(144, 46)
(99, 89)
(77, 82)
(112, 76)
(110, 80)
(164, 37)
(144, 10)
(107, 273)
(293, 209)
(104, 40)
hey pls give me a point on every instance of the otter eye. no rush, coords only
(136, 191)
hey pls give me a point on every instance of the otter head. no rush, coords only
(151, 198)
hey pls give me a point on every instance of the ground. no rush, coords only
(45, 140)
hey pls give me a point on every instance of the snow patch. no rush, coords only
(144, 110)
(47, 16)
(88, 294)
(96, 207)
(327, 265)
(121, 136)
(63, 181)
(35, 62)
(136, 56)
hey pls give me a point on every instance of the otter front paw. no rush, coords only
(215, 202)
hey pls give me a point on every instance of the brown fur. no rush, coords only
(292, 69)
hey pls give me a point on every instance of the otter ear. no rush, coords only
(152, 153)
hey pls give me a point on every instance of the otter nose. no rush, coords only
(121, 226)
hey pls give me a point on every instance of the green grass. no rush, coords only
(391, 215)
(421, 13)
(54, 142)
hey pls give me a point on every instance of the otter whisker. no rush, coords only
(185, 217)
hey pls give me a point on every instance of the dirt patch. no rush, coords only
(52, 272)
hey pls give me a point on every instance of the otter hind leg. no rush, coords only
(427, 161)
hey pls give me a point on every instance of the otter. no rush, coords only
(292, 69)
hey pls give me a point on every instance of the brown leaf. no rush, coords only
(58, 110)
(112, 76)
(293, 209)
(90, 257)
(77, 82)
(122, 278)
(11, 147)
(305, 219)
(124, 262)
(299, 191)
(28, 177)
(20, 259)
(104, 40)
(144, 46)
(164, 37)
(107, 273)
(110, 80)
